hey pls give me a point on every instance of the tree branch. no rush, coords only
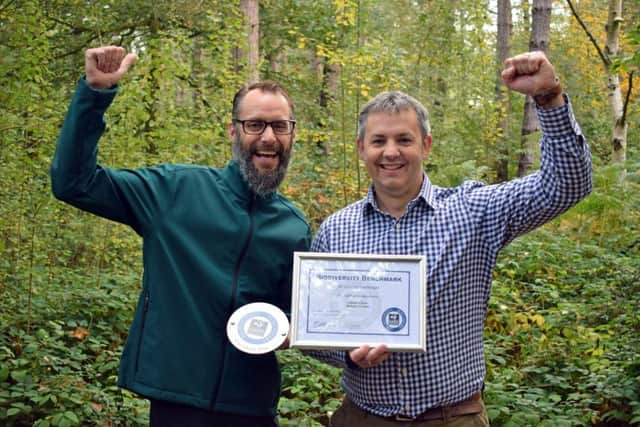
(626, 99)
(6, 5)
(93, 36)
(76, 29)
(189, 81)
(6, 128)
(602, 55)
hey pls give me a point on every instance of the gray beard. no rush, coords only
(261, 183)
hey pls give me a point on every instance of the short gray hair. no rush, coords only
(394, 102)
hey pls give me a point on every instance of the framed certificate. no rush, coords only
(343, 301)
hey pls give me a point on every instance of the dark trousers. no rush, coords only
(166, 414)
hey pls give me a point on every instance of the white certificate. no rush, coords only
(343, 301)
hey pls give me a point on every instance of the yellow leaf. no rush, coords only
(79, 333)
(539, 320)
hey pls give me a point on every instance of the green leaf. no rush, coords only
(72, 416)
(57, 418)
(19, 375)
(4, 372)
(13, 411)
(493, 413)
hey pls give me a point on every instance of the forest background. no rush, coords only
(563, 326)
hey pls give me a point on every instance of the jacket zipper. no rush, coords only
(234, 288)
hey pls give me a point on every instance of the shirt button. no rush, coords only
(404, 372)
(407, 407)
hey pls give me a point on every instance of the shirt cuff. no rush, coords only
(559, 121)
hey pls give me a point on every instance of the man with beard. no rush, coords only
(214, 240)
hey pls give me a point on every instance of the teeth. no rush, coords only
(266, 153)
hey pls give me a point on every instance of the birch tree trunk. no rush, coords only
(538, 40)
(505, 28)
(616, 104)
(612, 48)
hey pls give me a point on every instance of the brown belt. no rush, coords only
(470, 406)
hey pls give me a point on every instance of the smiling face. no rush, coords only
(263, 158)
(393, 150)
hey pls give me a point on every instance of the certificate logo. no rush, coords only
(394, 319)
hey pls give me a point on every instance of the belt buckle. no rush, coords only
(403, 418)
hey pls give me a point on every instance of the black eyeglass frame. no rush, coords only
(265, 124)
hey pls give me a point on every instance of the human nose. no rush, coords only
(268, 133)
(391, 150)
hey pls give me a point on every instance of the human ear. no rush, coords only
(360, 148)
(426, 147)
(231, 130)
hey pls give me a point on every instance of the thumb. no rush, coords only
(127, 62)
(508, 73)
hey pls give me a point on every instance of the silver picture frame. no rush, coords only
(343, 301)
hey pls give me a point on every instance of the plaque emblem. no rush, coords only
(257, 328)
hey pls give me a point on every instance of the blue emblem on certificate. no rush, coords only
(394, 319)
(257, 328)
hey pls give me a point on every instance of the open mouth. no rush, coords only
(391, 167)
(266, 159)
(266, 154)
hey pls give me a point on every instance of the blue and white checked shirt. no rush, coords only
(460, 230)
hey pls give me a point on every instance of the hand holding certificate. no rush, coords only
(344, 301)
(368, 357)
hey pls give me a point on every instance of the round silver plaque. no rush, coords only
(257, 328)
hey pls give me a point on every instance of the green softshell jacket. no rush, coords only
(210, 246)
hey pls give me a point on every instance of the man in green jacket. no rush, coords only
(214, 240)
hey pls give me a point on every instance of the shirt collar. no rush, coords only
(425, 194)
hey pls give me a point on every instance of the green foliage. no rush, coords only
(562, 328)
(310, 390)
(59, 362)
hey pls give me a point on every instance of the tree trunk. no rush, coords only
(250, 9)
(277, 61)
(151, 97)
(197, 72)
(538, 40)
(319, 71)
(612, 48)
(505, 27)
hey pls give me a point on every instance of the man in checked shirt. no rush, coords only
(460, 230)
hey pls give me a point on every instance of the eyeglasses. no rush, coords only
(256, 127)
